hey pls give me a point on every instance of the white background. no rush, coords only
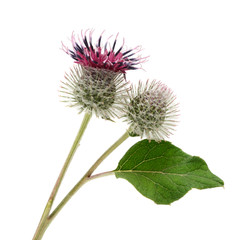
(196, 48)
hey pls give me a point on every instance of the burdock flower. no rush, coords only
(97, 90)
(151, 111)
(86, 53)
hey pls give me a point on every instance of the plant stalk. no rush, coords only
(87, 177)
(53, 194)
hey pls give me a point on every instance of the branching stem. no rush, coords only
(53, 194)
(87, 177)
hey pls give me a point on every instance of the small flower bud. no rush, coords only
(98, 90)
(151, 111)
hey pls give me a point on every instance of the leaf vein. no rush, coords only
(130, 157)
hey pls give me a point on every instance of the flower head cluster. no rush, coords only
(97, 90)
(97, 83)
(151, 110)
(86, 53)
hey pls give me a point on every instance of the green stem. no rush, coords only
(99, 175)
(53, 194)
(87, 177)
(107, 153)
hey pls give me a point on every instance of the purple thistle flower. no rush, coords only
(104, 56)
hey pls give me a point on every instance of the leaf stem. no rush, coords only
(87, 177)
(103, 174)
(53, 194)
(107, 153)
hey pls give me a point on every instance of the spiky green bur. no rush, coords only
(151, 111)
(97, 90)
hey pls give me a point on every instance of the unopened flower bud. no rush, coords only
(151, 111)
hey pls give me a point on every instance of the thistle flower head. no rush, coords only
(151, 111)
(86, 53)
(98, 90)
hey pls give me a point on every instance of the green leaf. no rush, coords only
(164, 173)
